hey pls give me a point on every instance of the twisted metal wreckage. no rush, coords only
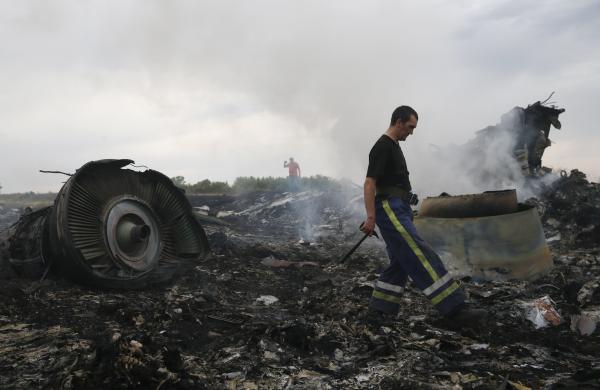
(491, 236)
(529, 128)
(109, 227)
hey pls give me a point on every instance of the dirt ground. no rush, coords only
(271, 308)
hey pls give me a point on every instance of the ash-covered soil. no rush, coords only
(271, 308)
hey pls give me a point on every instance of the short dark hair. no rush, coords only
(403, 114)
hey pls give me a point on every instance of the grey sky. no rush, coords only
(222, 89)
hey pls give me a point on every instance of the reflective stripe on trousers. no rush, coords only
(410, 256)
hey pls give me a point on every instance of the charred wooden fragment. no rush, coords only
(110, 227)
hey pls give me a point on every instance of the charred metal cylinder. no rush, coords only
(473, 236)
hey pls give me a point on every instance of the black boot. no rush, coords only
(378, 318)
(465, 316)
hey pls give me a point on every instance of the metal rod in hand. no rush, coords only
(351, 251)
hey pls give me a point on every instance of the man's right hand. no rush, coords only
(368, 227)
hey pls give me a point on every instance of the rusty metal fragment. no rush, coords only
(492, 247)
(472, 205)
(110, 227)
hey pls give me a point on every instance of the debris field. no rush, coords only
(272, 308)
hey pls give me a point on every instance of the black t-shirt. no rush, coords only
(387, 164)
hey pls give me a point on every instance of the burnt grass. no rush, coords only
(206, 329)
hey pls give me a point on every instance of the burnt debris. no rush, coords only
(486, 236)
(509, 153)
(271, 307)
(109, 227)
(529, 131)
(570, 207)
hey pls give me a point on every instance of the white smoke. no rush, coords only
(224, 89)
(487, 162)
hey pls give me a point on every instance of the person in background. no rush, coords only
(294, 174)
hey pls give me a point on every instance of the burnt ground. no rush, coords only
(214, 326)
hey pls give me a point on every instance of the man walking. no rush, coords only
(388, 196)
(294, 174)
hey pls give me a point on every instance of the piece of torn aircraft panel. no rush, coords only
(499, 247)
(115, 227)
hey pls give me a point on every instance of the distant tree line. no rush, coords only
(33, 199)
(253, 184)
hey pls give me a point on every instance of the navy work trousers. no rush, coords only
(410, 256)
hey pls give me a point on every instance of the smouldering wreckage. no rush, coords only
(528, 131)
(487, 236)
(109, 227)
(272, 307)
(508, 153)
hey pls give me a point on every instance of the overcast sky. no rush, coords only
(220, 89)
